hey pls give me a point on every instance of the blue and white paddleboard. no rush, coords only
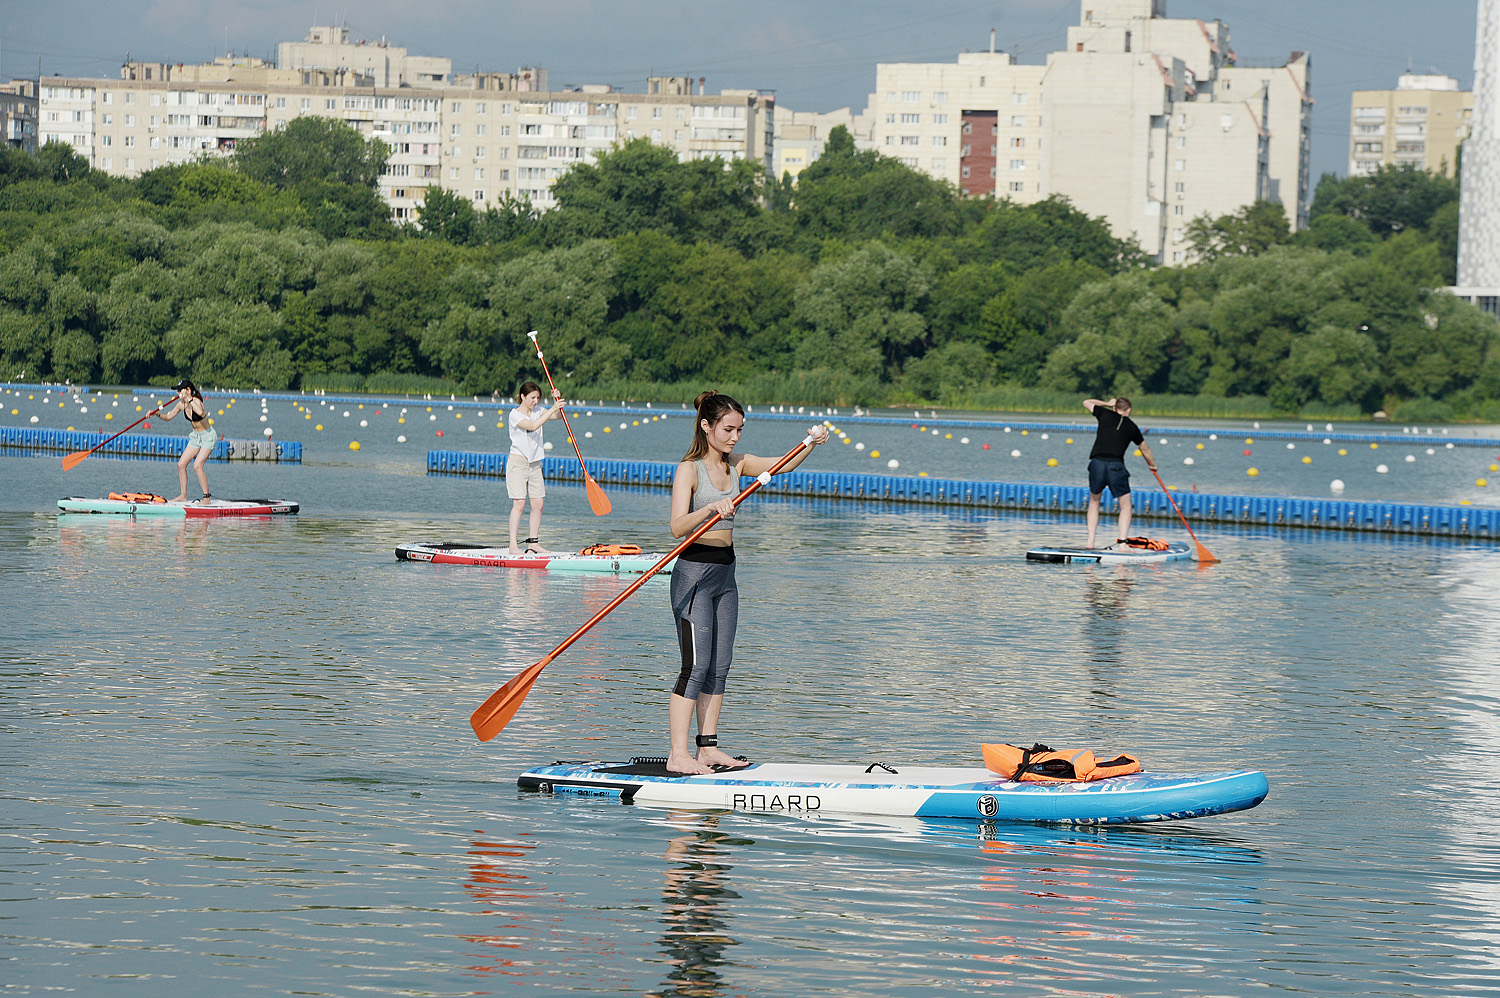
(923, 791)
(1176, 551)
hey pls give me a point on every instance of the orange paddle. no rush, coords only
(495, 713)
(1204, 557)
(598, 501)
(74, 459)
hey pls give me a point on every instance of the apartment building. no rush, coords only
(18, 109)
(801, 135)
(483, 135)
(1422, 122)
(1145, 120)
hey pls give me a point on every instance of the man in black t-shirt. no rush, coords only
(1117, 431)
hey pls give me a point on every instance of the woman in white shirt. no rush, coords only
(523, 468)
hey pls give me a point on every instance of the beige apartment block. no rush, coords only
(483, 135)
(1422, 122)
(1147, 121)
(802, 135)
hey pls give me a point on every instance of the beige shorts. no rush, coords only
(523, 479)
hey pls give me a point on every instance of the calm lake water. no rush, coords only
(235, 755)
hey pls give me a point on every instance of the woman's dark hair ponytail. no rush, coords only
(713, 407)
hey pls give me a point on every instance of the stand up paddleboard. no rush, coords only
(458, 553)
(192, 509)
(1176, 551)
(922, 791)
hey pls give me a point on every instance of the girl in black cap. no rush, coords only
(200, 442)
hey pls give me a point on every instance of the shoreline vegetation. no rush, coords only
(863, 283)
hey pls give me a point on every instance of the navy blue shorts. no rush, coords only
(1111, 473)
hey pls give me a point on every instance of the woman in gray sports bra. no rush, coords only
(705, 599)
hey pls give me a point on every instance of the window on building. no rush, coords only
(656, 112)
(130, 142)
(890, 119)
(911, 96)
(1177, 235)
(479, 130)
(965, 172)
(1177, 209)
(940, 97)
(1018, 121)
(330, 104)
(479, 107)
(105, 140)
(281, 102)
(1182, 141)
(130, 99)
(1177, 256)
(1178, 187)
(911, 119)
(910, 161)
(1017, 186)
(1018, 98)
(1018, 143)
(939, 119)
(109, 119)
(939, 163)
(1018, 164)
(911, 140)
(306, 103)
(1179, 165)
(939, 140)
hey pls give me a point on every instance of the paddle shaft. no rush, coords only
(571, 438)
(106, 440)
(687, 542)
(1201, 549)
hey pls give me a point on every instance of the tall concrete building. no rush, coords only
(18, 109)
(1145, 120)
(482, 135)
(1479, 203)
(1422, 122)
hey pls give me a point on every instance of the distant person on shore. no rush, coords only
(200, 442)
(1117, 431)
(523, 467)
(705, 598)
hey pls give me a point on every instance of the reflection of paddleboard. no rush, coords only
(457, 553)
(924, 791)
(1121, 555)
(192, 509)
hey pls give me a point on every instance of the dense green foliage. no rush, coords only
(864, 282)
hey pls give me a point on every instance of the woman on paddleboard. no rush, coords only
(200, 442)
(523, 468)
(705, 600)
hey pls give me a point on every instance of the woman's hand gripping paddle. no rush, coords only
(74, 459)
(1204, 557)
(598, 501)
(495, 713)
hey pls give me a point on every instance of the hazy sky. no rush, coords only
(814, 54)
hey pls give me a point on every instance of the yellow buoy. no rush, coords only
(1027, 433)
(946, 436)
(606, 429)
(403, 419)
(109, 415)
(874, 453)
(1482, 482)
(1495, 467)
(318, 427)
(354, 445)
(1374, 446)
(1200, 446)
(1051, 462)
(1307, 460)
(1137, 452)
(1249, 440)
(1252, 472)
(1069, 440)
(921, 474)
(137, 408)
(1343, 453)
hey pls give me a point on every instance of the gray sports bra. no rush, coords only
(707, 493)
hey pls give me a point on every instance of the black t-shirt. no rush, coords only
(1116, 434)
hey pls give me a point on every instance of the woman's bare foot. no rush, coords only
(712, 756)
(686, 765)
(181, 497)
(535, 548)
(513, 551)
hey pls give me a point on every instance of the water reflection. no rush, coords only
(694, 916)
(1106, 592)
(497, 883)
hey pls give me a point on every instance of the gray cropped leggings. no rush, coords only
(706, 607)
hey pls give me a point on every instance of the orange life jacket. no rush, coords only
(612, 550)
(1147, 543)
(137, 497)
(1043, 764)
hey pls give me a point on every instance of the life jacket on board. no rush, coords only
(137, 497)
(1043, 764)
(612, 550)
(1147, 543)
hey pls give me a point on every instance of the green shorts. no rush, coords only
(203, 438)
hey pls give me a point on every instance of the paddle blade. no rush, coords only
(495, 713)
(598, 501)
(74, 459)
(1204, 556)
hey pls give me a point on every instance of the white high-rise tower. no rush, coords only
(1479, 204)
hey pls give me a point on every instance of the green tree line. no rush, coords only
(865, 282)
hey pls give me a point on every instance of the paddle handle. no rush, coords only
(687, 542)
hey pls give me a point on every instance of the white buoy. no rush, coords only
(1015, 453)
(859, 446)
(964, 440)
(1007, 429)
(1213, 436)
(263, 418)
(588, 434)
(1044, 437)
(1381, 469)
(472, 428)
(1449, 446)
(893, 463)
(545, 446)
(266, 431)
(1291, 446)
(1431, 451)
(1187, 460)
(1256, 425)
(1410, 458)
(1328, 426)
(1328, 440)
(401, 439)
(362, 422)
(1337, 485)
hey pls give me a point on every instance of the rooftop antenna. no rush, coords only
(992, 41)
